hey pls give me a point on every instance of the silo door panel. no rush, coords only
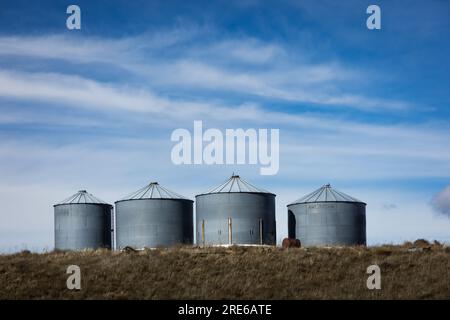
(291, 225)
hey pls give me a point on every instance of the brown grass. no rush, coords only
(230, 273)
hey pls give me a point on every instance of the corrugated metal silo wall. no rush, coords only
(153, 222)
(337, 223)
(245, 210)
(82, 226)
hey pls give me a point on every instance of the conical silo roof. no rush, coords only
(236, 184)
(82, 197)
(154, 191)
(326, 194)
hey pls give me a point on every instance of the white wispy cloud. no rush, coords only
(399, 150)
(182, 58)
(441, 202)
(80, 92)
(73, 90)
(94, 49)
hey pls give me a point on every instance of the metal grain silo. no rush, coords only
(153, 216)
(82, 221)
(327, 217)
(236, 212)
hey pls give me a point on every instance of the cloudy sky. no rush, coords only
(367, 111)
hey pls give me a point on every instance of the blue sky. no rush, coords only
(367, 111)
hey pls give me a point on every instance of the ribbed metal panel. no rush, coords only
(328, 217)
(244, 217)
(152, 217)
(82, 222)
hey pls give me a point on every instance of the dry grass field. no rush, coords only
(230, 273)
